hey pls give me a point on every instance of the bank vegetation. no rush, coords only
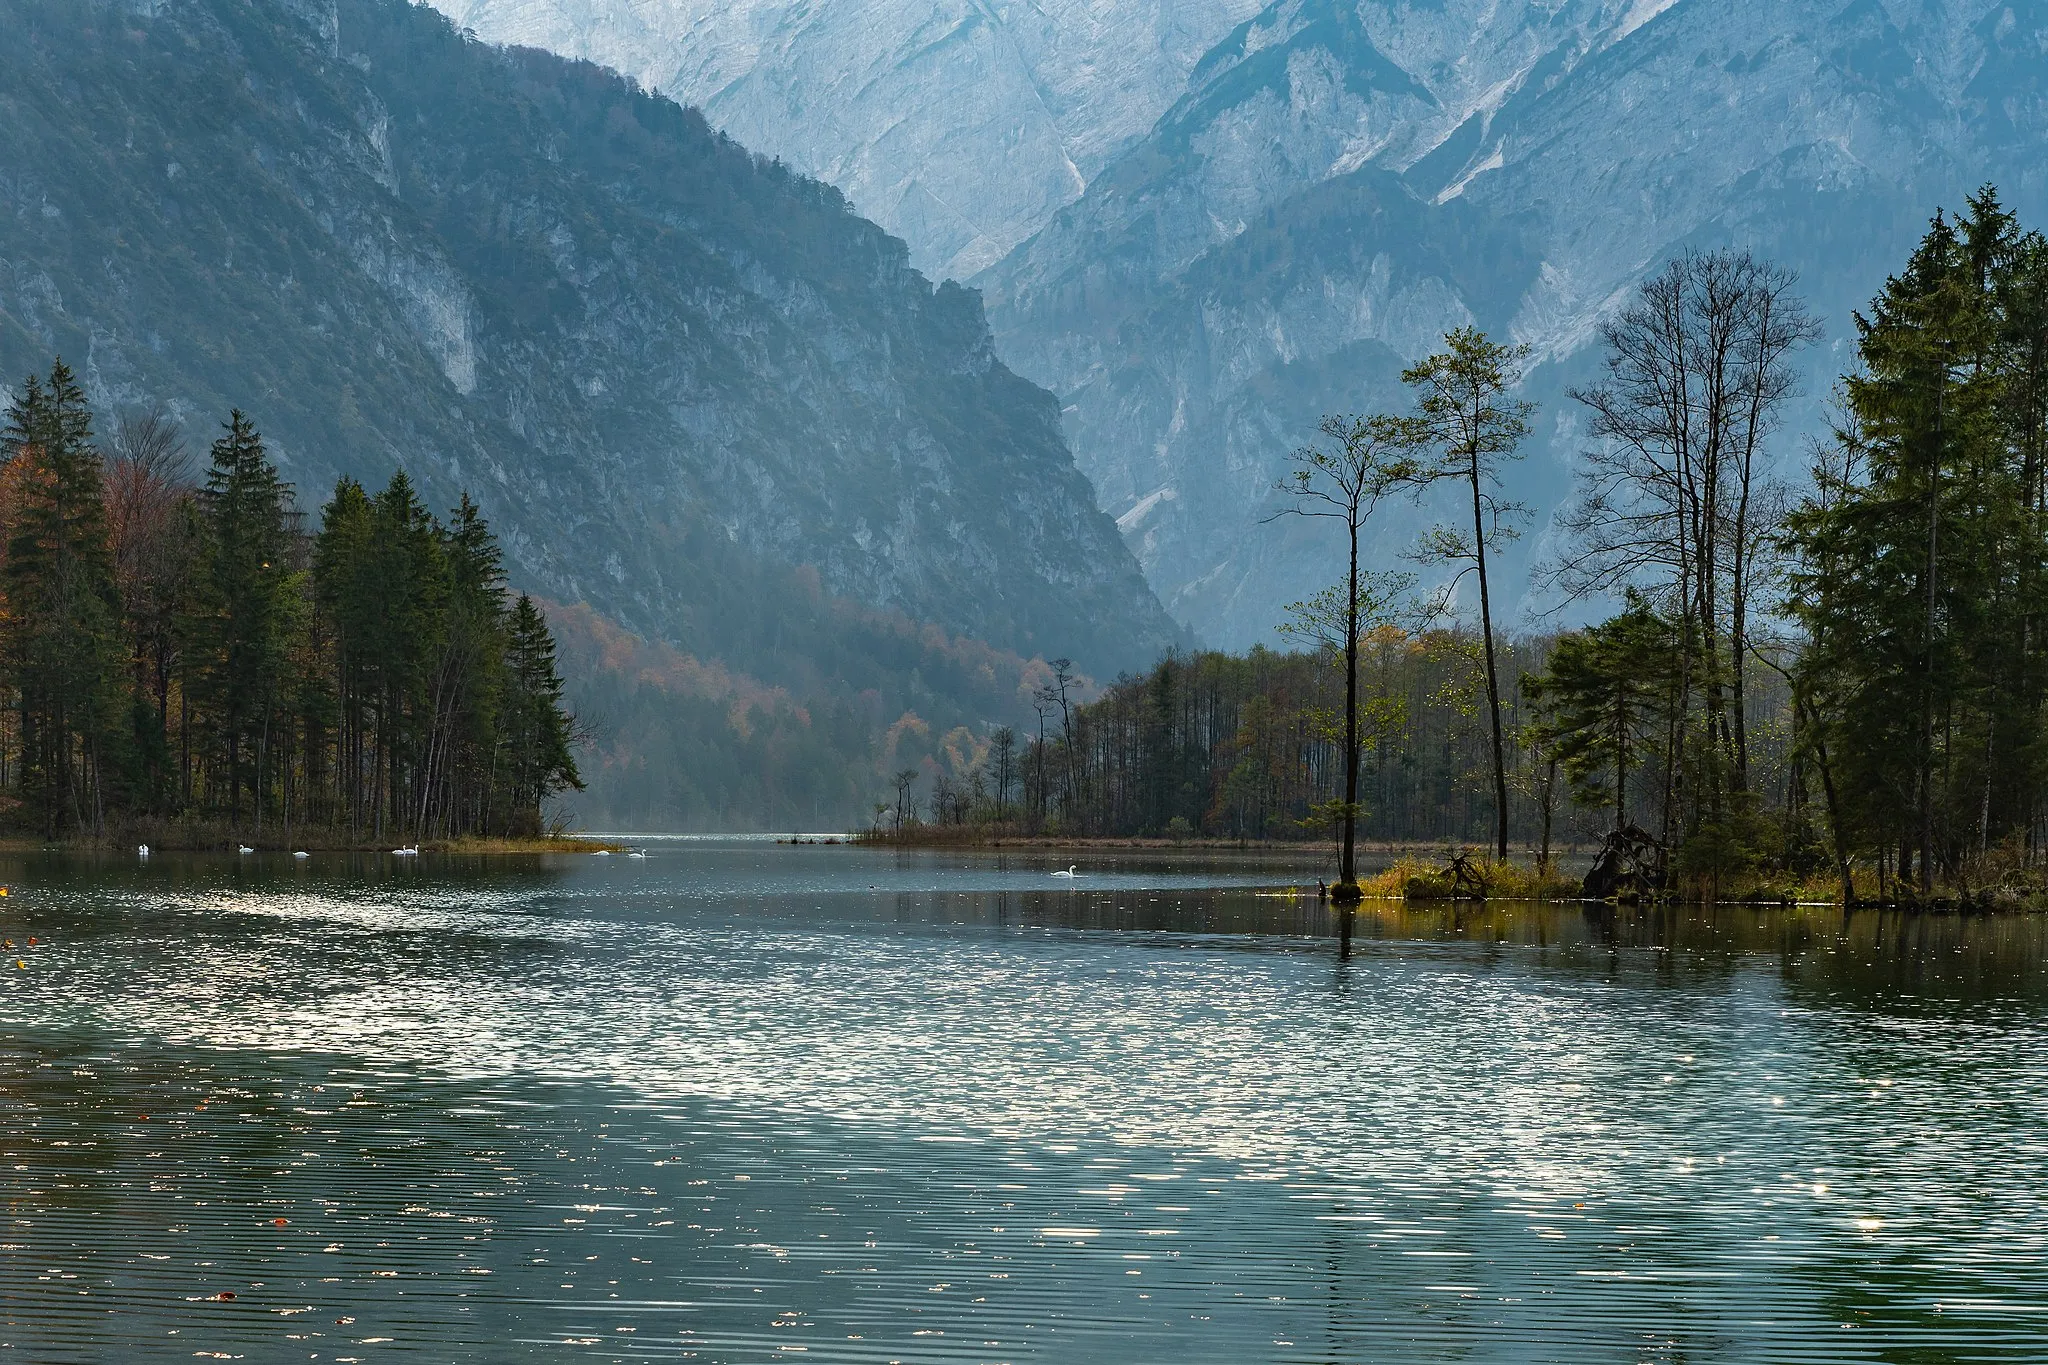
(182, 658)
(1826, 685)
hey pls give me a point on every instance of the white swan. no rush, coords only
(243, 848)
(1070, 872)
(142, 850)
(409, 851)
(300, 853)
(637, 853)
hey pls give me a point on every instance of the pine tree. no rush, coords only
(1465, 429)
(1922, 554)
(62, 635)
(1602, 699)
(538, 731)
(243, 615)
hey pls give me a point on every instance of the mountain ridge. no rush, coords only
(1049, 90)
(537, 283)
(1575, 157)
(682, 380)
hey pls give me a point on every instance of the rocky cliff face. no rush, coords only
(959, 125)
(1343, 181)
(652, 356)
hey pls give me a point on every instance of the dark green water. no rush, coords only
(739, 1102)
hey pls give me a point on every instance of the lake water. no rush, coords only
(739, 1102)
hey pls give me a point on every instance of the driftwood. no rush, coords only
(1466, 880)
(1627, 866)
(1457, 880)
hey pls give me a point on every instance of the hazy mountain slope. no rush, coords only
(652, 356)
(1342, 182)
(959, 125)
(680, 742)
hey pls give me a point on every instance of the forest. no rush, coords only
(181, 656)
(1832, 679)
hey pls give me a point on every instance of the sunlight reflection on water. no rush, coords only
(729, 1101)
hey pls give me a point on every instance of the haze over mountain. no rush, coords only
(690, 388)
(959, 125)
(1337, 182)
(1340, 184)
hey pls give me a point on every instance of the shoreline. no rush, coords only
(161, 841)
(929, 839)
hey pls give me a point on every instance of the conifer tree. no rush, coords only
(1604, 692)
(345, 586)
(1921, 555)
(538, 732)
(171, 652)
(62, 632)
(414, 553)
(468, 677)
(1466, 427)
(244, 612)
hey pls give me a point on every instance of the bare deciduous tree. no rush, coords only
(1675, 496)
(1344, 481)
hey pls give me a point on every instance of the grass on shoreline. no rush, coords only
(1430, 873)
(1413, 879)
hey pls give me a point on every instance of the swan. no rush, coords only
(602, 853)
(637, 853)
(243, 848)
(409, 851)
(142, 850)
(1070, 872)
(300, 853)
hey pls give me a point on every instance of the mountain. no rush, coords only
(663, 365)
(692, 390)
(959, 125)
(1341, 182)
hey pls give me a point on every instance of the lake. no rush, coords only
(741, 1102)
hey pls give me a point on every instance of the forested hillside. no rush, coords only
(959, 125)
(660, 365)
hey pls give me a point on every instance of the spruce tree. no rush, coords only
(469, 677)
(62, 645)
(538, 731)
(244, 612)
(1921, 555)
(346, 589)
(411, 585)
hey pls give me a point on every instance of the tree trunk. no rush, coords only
(1500, 768)
(1549, 805)
(1347, 864)
(1927, 681)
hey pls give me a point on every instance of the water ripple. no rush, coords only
(730, 1104)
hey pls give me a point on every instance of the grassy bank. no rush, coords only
(1465, 878)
